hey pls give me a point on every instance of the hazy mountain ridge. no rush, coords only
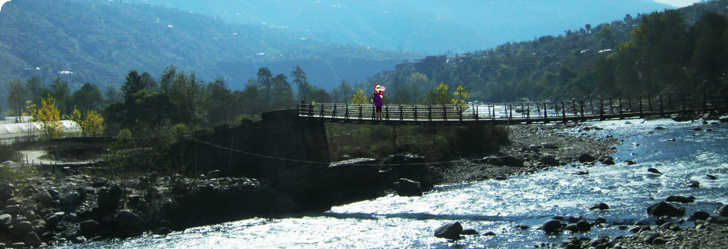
(99, 41)
(428, 26)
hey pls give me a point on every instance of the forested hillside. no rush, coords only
(100, 41)
(425, 26)
(668, 51)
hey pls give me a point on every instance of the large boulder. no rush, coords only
(700, 215)
(551, 226)
(71, 199)
(32, 239)
(723, 210)
(664, 209)
(549, 160)
(45, 198)
(586, 158)
(109, 197)
(407, 187)
(53, 219)
(450, 230)
(511, 161)
(21, 228)
(129, 220)
(7, 191)
(5, 220)
(89, 227)
(12, 209)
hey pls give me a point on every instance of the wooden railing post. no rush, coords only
(346, 112)
(510, 115)
(641, 114)
(360, 112)
(386, 108)
(528, 113)
(573, 106)
(629, 104)
(621, 114)
(563, 111)
(460, 111)
(310, 110)
(444, 113)
(401, 115)
(429, 113)
(545, 113)
(322, 111)
(582, 111)
(415, 113)
(477, 113)
(334, 114)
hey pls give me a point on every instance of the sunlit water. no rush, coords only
(499, 206)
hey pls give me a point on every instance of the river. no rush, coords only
(500, 206)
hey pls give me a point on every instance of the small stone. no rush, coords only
(469, 232)
(600, 206)
(161, 231)
(694, 184)
(489, 234)
(664, 209)
(585, 158)
(711, 177)
(5, 220)
(653, 170)
(583, 226)
(630, 162)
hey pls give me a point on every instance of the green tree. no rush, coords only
(439, 96)
(282, 93)
(15, 97)
(87, 98)
(34, 89)
(345, 89)
(460, 95)
(60, 91)
(359, 98)
(709, 53)
(299, 79)
(219, 105)
(265, 82)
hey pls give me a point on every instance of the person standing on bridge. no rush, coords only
(377, 99)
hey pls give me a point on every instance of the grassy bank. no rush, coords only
(434, 142)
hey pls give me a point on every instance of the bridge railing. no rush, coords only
(531, 111)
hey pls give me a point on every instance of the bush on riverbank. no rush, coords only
(437, 142)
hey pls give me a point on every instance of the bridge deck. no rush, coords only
(513, 113)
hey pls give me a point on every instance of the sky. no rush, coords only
(2, 2)
(676, 3)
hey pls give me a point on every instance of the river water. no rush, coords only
(500, 206)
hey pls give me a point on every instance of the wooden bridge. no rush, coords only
(517, 112)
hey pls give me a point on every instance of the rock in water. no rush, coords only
(681, 199)
(407, 187)
(711, 177)
(700, 215)
(723, 210)
(654, 170)
(600, 206)
(450, 230)
(89, 227)
(72, 199)
(664, 209)
(21, 228)
(584, 226)
(551, 226)
(586, 158)
(694, 184)
(469, 232)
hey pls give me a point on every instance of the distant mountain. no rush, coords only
(425, 26)
(99, 41)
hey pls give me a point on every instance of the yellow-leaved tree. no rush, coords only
(359, 98)
(438, 96)
(49, 118)
(76, 117)
(460, 95)
(93, 125)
